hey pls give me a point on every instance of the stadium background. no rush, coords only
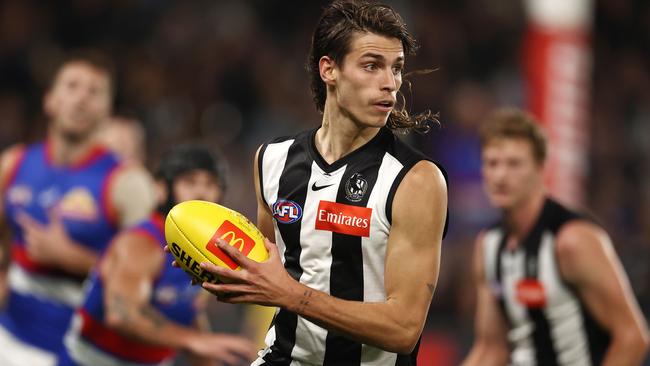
(230, 73)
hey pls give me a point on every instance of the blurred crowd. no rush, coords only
(231, 73)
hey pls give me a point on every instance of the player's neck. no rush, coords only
(521, 218)
(66, 152)
(339, 136)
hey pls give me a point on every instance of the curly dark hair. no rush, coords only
(332, 36)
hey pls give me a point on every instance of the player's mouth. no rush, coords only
(385, 105)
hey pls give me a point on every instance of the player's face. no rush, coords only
(510, 172)
(196, 185)
(369, 77)
(79, 100)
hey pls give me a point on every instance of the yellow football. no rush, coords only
(192, 229)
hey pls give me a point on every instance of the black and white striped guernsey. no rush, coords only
(548, 325)
(331, 227)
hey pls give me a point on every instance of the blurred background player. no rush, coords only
(63, 200)
(551, 289)
(140, 310)
(124, 136)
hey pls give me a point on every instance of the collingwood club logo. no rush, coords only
(356, 187)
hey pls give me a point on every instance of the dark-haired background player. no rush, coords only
(138, 309)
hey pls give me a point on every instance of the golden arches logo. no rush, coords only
(231, 238)
(235, 237)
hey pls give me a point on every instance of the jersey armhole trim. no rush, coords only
(391, 194)
(393, 188)
(260, 172)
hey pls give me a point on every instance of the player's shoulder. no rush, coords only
(412, 158)
(12, 153)
(579, 236)
(302, 136)
(283, 143)
(10, 157)
(427, 174)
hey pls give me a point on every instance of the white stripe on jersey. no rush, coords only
(273, 161)
(315, 261)
(46, 288)
(21, 353)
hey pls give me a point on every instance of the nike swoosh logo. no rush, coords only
(314, 187)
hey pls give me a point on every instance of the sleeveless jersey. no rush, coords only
(90, 341)
(331, 227)
(547, 323)
(42, 297)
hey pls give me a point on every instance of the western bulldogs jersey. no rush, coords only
(547, 322)
(331, 226)
(42, 297)
(90, 341)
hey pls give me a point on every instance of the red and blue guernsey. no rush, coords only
(90, 342)
(42, 298)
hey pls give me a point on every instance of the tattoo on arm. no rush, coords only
(119, 308)
(150, 313)
(304, 301)
(431, 287)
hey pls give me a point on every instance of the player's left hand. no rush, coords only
(45, 243)
(266, 283)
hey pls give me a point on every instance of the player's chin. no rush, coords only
(376, 120)
(78, 128)
(500, 200)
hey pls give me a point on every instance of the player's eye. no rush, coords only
(370, 66)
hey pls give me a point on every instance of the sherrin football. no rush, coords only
(192, 229)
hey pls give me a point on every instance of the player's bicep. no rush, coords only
(414, 242)
(606, 292)
(128, 272)
(133, 195)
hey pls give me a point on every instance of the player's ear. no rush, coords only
(327, 68)
(49, 103)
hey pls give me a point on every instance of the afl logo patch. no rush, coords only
(356, 187)
(286, 212)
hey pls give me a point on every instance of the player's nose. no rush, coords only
(388, 80)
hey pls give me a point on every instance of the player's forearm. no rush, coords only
(146, 324)
(626, 348)
(76, 258)
(386, 325)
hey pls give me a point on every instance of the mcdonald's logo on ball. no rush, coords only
(232, 235)
(192, 229)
